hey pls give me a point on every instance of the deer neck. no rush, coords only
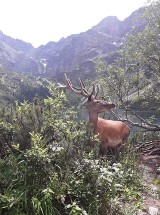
(93, 119)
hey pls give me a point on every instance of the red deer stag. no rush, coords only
(110, 133)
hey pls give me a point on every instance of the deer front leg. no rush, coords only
(103, 149)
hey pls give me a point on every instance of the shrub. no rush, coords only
(48, 166)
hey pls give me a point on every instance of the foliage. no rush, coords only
(134, 76)
(48, 166)
(19, 87)
(133, 79)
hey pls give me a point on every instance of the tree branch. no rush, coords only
(144, 124)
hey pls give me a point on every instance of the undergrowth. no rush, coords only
(47, 166)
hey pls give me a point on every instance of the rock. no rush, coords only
(153, 211)
(140, 212)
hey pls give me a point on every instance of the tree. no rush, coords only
(134, 77)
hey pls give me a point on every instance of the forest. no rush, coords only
(48, 165)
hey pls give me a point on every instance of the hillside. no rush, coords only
(18, 87)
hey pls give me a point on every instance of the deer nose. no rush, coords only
(110, 105)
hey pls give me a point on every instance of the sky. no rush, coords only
(41, 21)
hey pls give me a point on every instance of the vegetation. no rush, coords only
(48, 166)
(133, 80)
(18, 87)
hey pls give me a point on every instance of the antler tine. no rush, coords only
(80, 91)
(97, 91)
(81, 83)
(93, 90)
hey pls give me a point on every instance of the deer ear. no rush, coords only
(90, 98)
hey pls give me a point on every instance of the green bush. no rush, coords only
(48, 166)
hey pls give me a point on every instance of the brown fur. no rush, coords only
(111, 133)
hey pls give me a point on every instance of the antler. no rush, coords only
(80, 91)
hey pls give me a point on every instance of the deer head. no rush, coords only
(95, 105)
(98, 105)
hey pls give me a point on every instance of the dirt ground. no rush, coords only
(150, 166)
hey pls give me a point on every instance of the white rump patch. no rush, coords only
(114, 142)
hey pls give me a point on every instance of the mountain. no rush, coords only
(16, 55)
(76, 54)
(117, 29)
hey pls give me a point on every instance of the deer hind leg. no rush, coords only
(124, 143)
(122, 147)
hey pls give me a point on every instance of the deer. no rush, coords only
(111, 134)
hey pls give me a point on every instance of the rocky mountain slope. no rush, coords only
(76, 54)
